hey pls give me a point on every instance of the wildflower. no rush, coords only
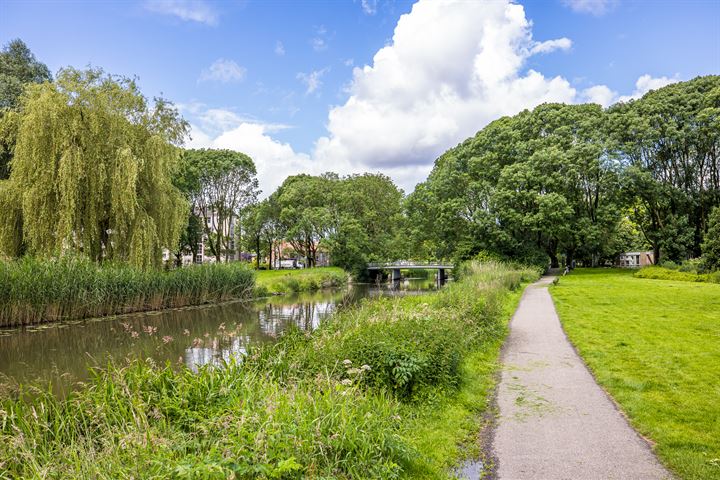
(167, 339)
(134, 334)
(347, 362)
(186, 332)
(346, 381)
(365, 368)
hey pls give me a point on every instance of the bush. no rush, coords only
(661, 273)
(414, 344)
(38, 290)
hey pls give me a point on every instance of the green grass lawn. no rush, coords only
(307, 279)
(654, 345)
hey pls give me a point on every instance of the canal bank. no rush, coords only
(344, 401)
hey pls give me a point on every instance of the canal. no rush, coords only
(58, 355)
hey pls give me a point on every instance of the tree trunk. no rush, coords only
(257, 251)
(270, 255)
(656, 254)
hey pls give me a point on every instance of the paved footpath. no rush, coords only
(555, 422)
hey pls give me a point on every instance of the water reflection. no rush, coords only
(59, 354)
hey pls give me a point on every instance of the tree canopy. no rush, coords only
(220, 184)
(578, 180)
(92, 169)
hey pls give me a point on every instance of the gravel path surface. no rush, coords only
(555, 422)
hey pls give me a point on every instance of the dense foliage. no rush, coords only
(91, 172)
(580, 181)
(37, 290)
(18, 68)
(355, 219)
(220, 185)
(343, 415)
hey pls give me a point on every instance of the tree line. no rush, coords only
(91, 166)
(579, 181)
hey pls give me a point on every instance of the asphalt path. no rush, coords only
(554, 421)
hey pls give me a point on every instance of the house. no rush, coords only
(635, 259)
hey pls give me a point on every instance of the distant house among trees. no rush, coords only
(635, 259)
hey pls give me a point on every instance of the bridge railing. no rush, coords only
(407, 263)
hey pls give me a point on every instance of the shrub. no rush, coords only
(661, 273)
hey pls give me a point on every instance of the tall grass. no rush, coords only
(340, 402)
(37, 290)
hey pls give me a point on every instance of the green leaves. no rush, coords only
(92, 167)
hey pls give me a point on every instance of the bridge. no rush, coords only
(395, 268)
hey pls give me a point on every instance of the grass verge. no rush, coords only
(270, 282)
(654, 345)
(37, 290)
(364, 396)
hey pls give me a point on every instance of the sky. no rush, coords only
(369, 85)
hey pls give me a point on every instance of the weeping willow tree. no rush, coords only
(91, 172)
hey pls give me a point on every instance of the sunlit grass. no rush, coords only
(302, 280)
(655, 346)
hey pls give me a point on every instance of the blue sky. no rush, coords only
(298, 86)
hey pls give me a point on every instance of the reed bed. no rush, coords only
(40, 290)
(342, 402)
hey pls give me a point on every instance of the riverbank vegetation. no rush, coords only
(37, 290)
(269, 282)
(345, 401)
(653, 345)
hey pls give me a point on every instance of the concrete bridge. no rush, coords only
(395, 268)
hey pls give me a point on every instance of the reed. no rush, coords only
(46, 290)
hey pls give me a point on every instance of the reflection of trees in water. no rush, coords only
(60, 353)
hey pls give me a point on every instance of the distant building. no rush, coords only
(635, 259)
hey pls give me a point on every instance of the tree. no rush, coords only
(263, 229)
(670, 143)
(91, 171)
(308, 212)
(222, 183)
(18, 67)
(711, 245)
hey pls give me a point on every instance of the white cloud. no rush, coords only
(369, 6)
(551, 45)
(188, 10)
(600, 94)
(646, 83)
(593, 7)
(224, 71)
(312, 80)
(274, 160)
(279, 48)
(421, 96)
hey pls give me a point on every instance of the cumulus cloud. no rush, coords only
(593, 7)
(600, 94)
(312, 80)
(646, 83)
(605, 96)
(273, 159)
(421, 96)
(224, 71)
(188, 10)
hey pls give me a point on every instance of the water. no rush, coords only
(59, 354)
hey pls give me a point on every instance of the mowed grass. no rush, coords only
(307, 279)
(654, 345)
